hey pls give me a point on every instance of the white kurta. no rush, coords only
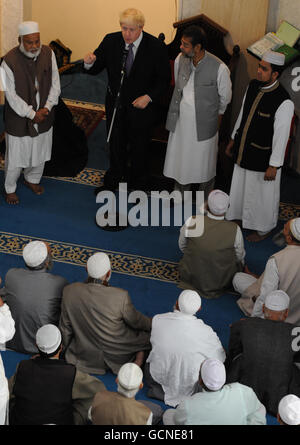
(23, 152)
(7, 331)
(188, 160)
(180, 343)
(252, 199)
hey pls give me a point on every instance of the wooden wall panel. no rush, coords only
(246, 21)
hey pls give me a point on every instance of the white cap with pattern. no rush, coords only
(26, 28)
(48, 338)
(35, 253)
(189, 302)
(130, 376)
(98, 265)
(289, 409)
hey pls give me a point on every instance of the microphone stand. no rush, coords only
(117, 227)
(125, 54)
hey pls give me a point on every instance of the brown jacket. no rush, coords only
(101, 328)
(112, 408)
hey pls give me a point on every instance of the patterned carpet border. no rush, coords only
(288, 211)
(83, 104)
(88, 176)
(77, 255)
(93, 178)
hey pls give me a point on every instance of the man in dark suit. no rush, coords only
(262, 353)
(147, 76)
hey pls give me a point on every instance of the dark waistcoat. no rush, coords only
(25, 71)
(253, 140)
(43, 392)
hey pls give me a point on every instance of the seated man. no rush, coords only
(47, 390)
(33, 296)
(7, 331)
(210, 261)
(261, 353)
(121, 408)
(217, 403)
(101, 328)
(180, 343)
(289, 410)
(282, 272)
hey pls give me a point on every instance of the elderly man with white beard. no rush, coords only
(32, 89)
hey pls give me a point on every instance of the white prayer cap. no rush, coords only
(48, 338)
(218, 202)
(213, 374)
(295, 228)
(26, 28)
(130, 376)
(277, 300)
(289, 409)
(35, 253)
(98, 265)
(274, 58)
(189, 302)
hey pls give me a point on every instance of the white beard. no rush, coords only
(28, 53)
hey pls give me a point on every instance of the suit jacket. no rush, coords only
(260, 355)
(150, 72)
(101, 328)
(34, 299)
(112, 408)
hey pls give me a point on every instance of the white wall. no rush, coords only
(82, 24)
(279, 10)
(11, 16)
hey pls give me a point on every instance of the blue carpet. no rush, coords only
(65, 215)
(144, 259)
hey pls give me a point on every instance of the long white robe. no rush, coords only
(23, 152)
(180, 343)
(252, 199)
(188, 160)
(7, 331)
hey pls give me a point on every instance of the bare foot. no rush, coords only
(139, 358)
(256, 238)
(36, 188)
(12, 198)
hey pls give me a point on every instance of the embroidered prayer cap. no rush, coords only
(26, 28)
(277, 300)
(189, 302)
(218, 202)
(48, 338)
(295, 228)
(274, 58)
(289, 409)
(35, 253)
(98, 265)
(213, 374)
(130, 376)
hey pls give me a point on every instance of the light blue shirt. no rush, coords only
(234, 404)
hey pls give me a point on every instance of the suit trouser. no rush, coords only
(31, 174)
(128, 145)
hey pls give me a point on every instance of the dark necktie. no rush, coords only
(130, 58)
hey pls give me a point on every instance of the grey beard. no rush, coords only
(28, 53)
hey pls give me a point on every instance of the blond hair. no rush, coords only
(132, 16)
